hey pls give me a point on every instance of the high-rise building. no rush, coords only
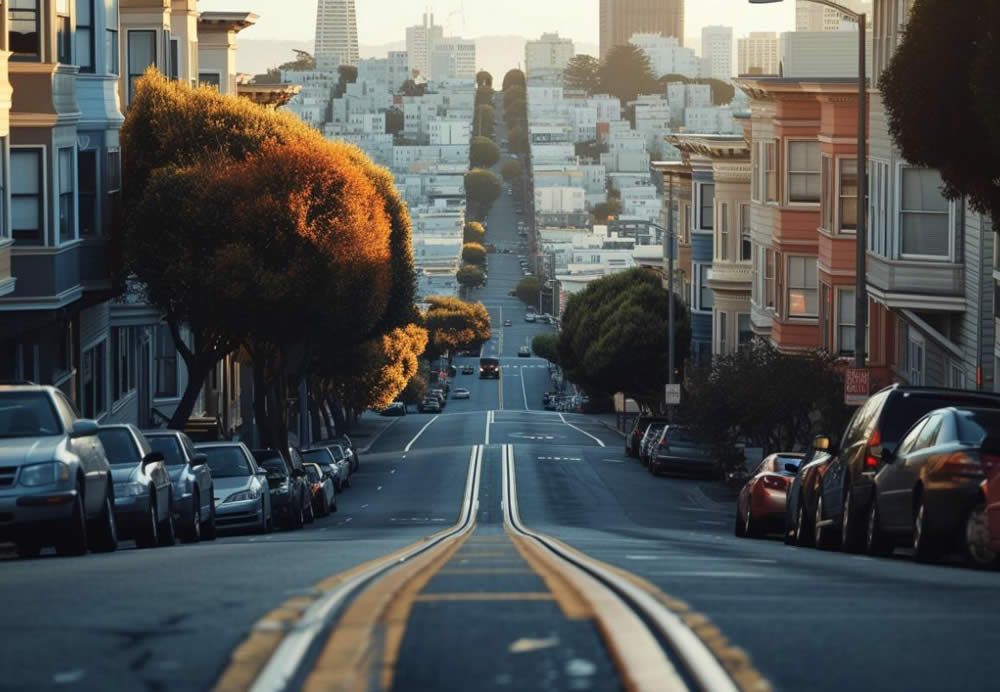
(452, 58)
(758, 54)
(337, 30)
(548, 53)
(620, 19)
(667, 56)
(420, 41)
(812, 17)
(717, 51)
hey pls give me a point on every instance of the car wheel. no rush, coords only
(803, 532)
(149, 535)
(310, 515)
(74, 541)
(297, 519)
(822, 536)
(208, 531)
(739, 526)
(976, 539)
(193, 532)
(751, 528)
(168, 530)
(264, 520)
(105, 530)
(28, 547)
(851, 539)
(876, 542)
(925, 548)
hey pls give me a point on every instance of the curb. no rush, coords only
(612, 428)
(371, 442)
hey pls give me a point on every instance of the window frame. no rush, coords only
(722, 328)
(112, 48)
(94, 403)
(700, 272)
(130, 77)
(755, 188)
(67, 231)
(723, 231)
(702, 208)
(163, 336)
(214, 73)
(85, 30)
(89, 194)
(746, 234)
(64, 32)
(770, 173)
(740, 342)
(900, 213)
(38, 235)
(840, 229)
(26, 57)
(789, 173)
(787, 265)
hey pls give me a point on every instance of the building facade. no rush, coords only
(758, 54)
(337, 30)
(717, 51)
(547, 56)
(812, 17)
(619, 19)
(420, 41)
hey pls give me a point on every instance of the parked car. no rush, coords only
(343, 466)
(529, 317)
(430, 404)
(508, 323)
(144, 508)
(846, 492)
(396, 408)
(800, 500)
(679, 450)
(290, 496)
(461, 393)
(441, 396)
(634, 436)
(649, 438)
(524, 352)
(330, 464)
(323, 492)
(56, 484)
(468, 369)
(760, 506)
(350, 451)
(242, 494)
(929, 491)
(192, 480)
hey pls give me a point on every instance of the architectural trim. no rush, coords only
(912, 301)
(70, 295)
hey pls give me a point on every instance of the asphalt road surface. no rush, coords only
(171, 618)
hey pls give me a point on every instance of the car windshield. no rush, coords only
(28, 414)
(337, 452)
(170, 447)
(119, 445)
(975, 426)
(318, 456)
(271, 461)
(903, 411)
(227, 462)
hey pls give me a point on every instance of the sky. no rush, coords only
(384, 21)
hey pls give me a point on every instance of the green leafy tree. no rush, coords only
(470, 276)
(411, 88)
(513, 78)
(454, 325)
(394, 121)
(604, 211)
(484, 79)
(517, 139)
(513, 95)
(474, 253)
(484, 122)
(583, 72)
(482, 189)
(484, 96)
(483, 152)
(474, 233)
(416, 388)
(303, 61)
(626, 73)
(614, 336)
(346, 74)
(546, 346)
(591, 150)
(528, 289)
(511, 170)
(942, 96)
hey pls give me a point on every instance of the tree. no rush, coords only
(379, 370)
(484, 79)
(626, 73)
(484, 122)
(454, 325)
(474, 253)
(513, 78)
(614, 336)
(583, 73)
(943, 101)
(546, 346)
(474, 233)
(484, 96)
(591, 150)
(394, 121)
(303, 61)
(528, 290)
(346, 74)
(470, 276)
(517, 138)
(605, 211)
(416, 388)
(483, 152)
(511, 170)
(411, 88)
(514, 94)
(482, 189)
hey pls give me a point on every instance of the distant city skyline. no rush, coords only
(385, 21)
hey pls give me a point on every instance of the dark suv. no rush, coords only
(291, 495)
(634, 436)
(846, 488)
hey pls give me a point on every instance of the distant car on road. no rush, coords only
(461, 393)
(524, 352)
(760, 506)
(430, 404)
(649, 438)
(56, 483)
(530, 317)
(192, 479)
(468, 370)
(634, 436)
(508, 323)
(396, 408)
(242, 496)
(290, 495)
(679, 450)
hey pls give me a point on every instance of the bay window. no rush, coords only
(24, 21)
(803, 172)
(802, 287)
(67, 177)
(27, 194)
(924, 218)
(848, 196)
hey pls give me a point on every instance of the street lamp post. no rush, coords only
(861, 283)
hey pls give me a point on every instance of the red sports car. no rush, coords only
(760, 506)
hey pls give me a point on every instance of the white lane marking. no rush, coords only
(711, 523)
(348, 520)
(614, 461)
(524, 393)
(643, 557)
(489, 418)
(708, 573)
(563, 419)
(69, 676)
(417, 437)
(378, 488)
(392, 472)
(364, 506)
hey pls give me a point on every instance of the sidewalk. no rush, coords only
(367, 430)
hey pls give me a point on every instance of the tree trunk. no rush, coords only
(197, 370)
(260, 408)
(315, 417)
(328, 419)
(339, 420)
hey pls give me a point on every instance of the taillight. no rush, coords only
(874, 441)
(664, 442)
(775, 482)
(990, 461)
(959, 464)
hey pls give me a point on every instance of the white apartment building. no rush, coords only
(399, 68)
(409, 158)
(337, 30)
(652, 119)
(420, 40)
(452, 58)
(609, 108)
(583, 121)
(667, 55)
(554, 152)
(717, 51)
(547, 55)
(683, 96)
(560, 199)
(812, 17)
(759, 53)
(829, 54)
(450, 131)
(711, 120)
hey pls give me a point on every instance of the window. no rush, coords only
(827, 212)
(111, 37)
(166, 363)
(707, 203)
(929, 433)
(803, 172)
(956, 376)
(124, 343)
(848, 210)
(723, 231)
(24, 20)
(744, 329)
(915, 359)
(3, 189)
(771, 172)
(209, 79)
(746, 244)
(86, 164)
(64, 32)
(67, 227)
(846, 324)
(704, 293)
(141, 54)
(755, 172)
(770, 287)
(802, 286)
(174, 58)
(112, 183)
(26, 194)
(923, 214)
(723, 327)
(92, 379)
(85, 35)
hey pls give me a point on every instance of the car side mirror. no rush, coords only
(84, 428)
(152, 458)
(199, 460)
(792, 468)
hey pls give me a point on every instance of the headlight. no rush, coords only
(243, 496)
(129, 489)
(44, 474)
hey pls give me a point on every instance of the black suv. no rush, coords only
(634, 437)
(846, 488)
(291, 496)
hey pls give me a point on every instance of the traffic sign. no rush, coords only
(673, 394)
(857, 382)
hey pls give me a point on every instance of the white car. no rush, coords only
(461, 393)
